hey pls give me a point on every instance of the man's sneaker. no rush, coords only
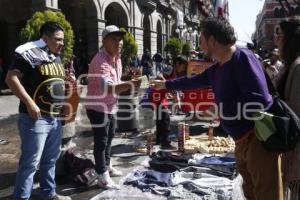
(113, 172)
(104, 181)
(167, 146)
(60, 197)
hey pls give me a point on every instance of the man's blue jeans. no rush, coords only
(40, 148)
(158, 67)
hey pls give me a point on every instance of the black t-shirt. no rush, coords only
(157, 58)
(146, 61)
(44, 83)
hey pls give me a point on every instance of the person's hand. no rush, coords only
(34, 111)
(272, 68)
(170, 96)
(135, 76)
(158, 84)
(160, 77)
(137, 71)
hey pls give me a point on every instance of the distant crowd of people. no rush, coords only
(148, 65)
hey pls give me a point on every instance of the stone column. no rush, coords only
(101, 27)
(153, 42)
(138, 35)
(164, 42)
(168, 29)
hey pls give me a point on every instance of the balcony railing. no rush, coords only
(151, 4)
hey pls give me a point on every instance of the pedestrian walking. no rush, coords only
(158, 59)
(287, 40)
(37, 78)
(146, 63)
(104, 84)
(237, 79)
(273, 66)
(168, 60)
(135, 66)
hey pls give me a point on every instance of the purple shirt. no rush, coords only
(239, 81)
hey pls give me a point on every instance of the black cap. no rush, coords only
(181, 59)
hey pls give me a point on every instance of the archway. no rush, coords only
(159, 36)
(147, 33)
(115, 15)
(82, 15)
(13, 16)
(3, 51)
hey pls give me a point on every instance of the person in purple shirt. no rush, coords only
(240, 89)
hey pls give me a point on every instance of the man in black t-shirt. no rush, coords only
(37, 79)
(146, 63)
(158, 59)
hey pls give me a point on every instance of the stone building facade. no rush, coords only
(268, 19)
(152, 22)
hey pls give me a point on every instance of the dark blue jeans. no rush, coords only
(40, 148)
(162, 125)
(103, 126)
(148, 72)
(158, 67)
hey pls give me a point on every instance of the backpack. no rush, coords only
(278, 130)
(80, 167)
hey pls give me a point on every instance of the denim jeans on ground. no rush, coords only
(40, 148)
(103, 126)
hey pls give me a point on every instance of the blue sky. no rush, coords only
(242, 15)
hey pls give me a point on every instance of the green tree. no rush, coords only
(173, 47)
(186, 49)
(32, 27)
(198, 48)
(129, 49)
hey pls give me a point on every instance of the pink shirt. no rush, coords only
(103, 70)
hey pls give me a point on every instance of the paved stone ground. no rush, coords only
(123, 149)
(8, 104)
(124, 158)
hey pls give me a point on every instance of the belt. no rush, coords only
(245, 136)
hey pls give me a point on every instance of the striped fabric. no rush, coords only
(103, 70)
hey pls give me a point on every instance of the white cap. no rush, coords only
(112, 29)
